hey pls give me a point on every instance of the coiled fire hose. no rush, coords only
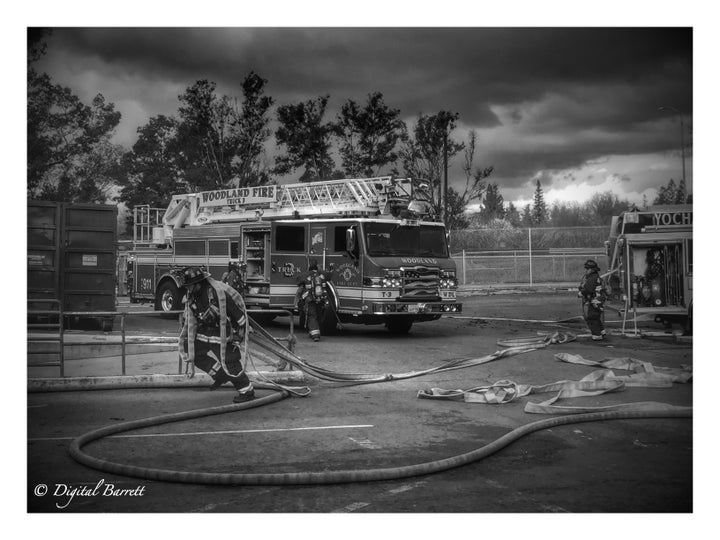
(262, 338)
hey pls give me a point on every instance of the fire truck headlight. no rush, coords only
(390, 282)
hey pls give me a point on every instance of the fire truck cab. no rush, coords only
(650, 260)
(387, 262)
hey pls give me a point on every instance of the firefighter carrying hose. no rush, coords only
(592, 292)
(214, 330)
(312, 297)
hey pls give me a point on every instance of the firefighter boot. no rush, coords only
(244, 394)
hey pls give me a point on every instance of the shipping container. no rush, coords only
(71, 258)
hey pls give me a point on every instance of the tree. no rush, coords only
(475, 178)
(249, 168)
(667, 194)
(207, 136)
(421, 154)
(367, 136)
(492, 204)
(456, 211)
(681, 195)
(563, 214)
(539, 208)
(306, 140)
(527, 216)
(64, 138)
(152, 166)
(69, 153)
(512, 215)
(603, 206)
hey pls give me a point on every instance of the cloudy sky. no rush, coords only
(576, 107)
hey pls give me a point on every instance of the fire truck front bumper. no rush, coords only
(415, 308)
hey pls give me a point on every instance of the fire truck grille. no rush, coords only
(420, 282)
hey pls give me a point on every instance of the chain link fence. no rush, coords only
(526, 256)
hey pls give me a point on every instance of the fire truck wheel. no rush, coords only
(399, 325)
(168, 297)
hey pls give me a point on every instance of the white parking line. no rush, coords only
(195, 433)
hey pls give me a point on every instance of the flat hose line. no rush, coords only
(323, 477)
(263, 339)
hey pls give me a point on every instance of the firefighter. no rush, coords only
(232, 276)
(592, 292)
(312, 296)
(213, 331)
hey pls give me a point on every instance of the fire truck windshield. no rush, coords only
(390, 240)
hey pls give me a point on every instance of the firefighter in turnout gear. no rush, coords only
(592, 292)
(214, 330)
(233, 276)
(312, 296)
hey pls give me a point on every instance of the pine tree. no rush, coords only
(492, 204)
(670, 194)
(527, 218)
(681, 193)
(539, 209)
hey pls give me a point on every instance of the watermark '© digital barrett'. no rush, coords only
(66, 493)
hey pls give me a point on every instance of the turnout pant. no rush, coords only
(207, 358)
(593, 318)
(311, 317)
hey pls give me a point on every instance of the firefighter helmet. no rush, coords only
(591, 264)
(194, 274)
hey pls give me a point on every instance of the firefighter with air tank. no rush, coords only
(312, 298)
(592, 292)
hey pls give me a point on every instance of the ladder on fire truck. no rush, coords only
(351, 195)
(332, 198)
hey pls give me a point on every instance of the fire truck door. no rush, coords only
(288, 261)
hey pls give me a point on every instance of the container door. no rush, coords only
(43, 253)
(89, 257)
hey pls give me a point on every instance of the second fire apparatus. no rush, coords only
(650, 256)
(387, 265)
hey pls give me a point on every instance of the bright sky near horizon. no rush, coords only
(574, 107)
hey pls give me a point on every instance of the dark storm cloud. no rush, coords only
(423, 69)
(594, 91)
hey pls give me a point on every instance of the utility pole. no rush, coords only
(682, 135)
(445, 168)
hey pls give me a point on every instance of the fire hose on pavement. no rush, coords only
(263, 339)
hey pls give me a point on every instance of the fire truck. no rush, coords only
(387, 258)
(650, 254)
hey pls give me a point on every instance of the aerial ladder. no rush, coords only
(354, 197)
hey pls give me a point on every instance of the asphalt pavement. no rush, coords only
(642, 465)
